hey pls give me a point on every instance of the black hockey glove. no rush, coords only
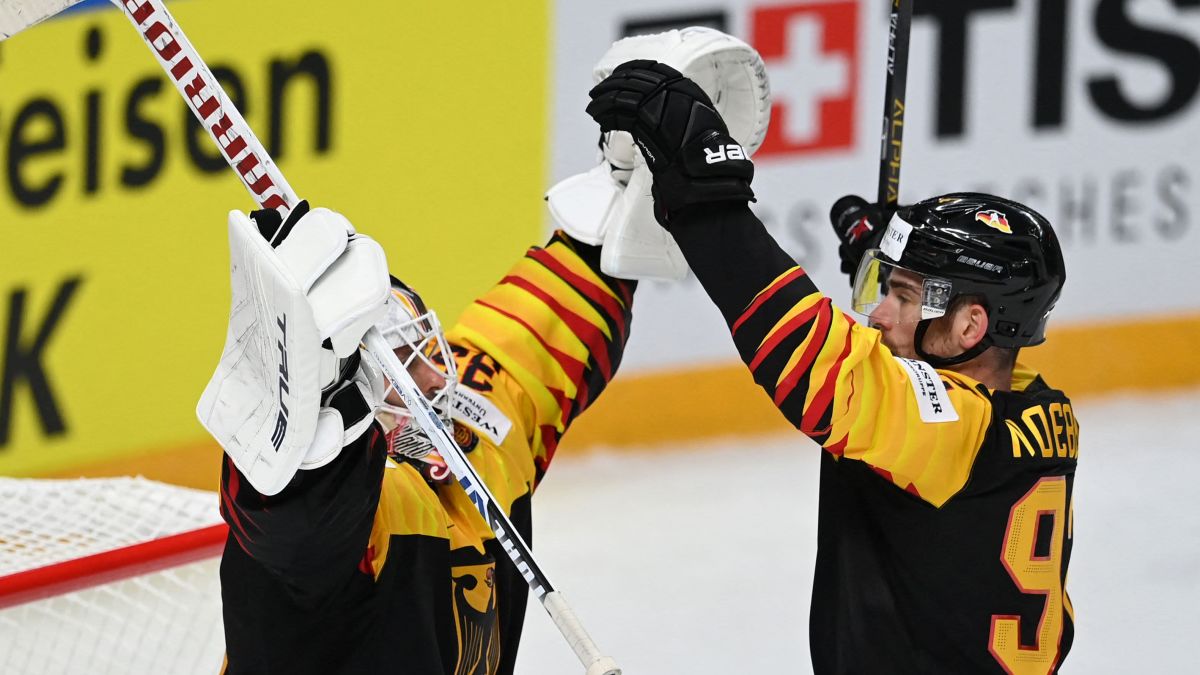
(859, 226)
(684, 140)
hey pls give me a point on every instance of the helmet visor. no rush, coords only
(909, 296)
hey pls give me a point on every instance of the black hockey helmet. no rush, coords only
(980, 245)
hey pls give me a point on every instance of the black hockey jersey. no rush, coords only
(944, 527)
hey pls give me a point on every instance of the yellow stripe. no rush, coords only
(771, 286)
(706, 403)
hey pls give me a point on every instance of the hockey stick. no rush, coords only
(892, 141)
(262, 178)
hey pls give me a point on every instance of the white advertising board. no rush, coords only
(1088, 111)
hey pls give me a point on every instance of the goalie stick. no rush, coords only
(266, 184)
(892, 140)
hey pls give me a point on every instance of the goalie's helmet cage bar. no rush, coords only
(112, 575)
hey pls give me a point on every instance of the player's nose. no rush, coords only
(428, 379)
(881, 318)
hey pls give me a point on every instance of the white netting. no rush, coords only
(167, 621)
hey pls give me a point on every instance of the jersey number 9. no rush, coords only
(1034, 571)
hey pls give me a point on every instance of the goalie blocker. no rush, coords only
(290, 389)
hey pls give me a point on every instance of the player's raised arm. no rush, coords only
(291, 408)
(547, 339)
(925, 401)
(830, 376)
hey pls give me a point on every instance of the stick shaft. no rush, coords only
(892, 141)
(208, 101)
(266, 184)
(508, 536)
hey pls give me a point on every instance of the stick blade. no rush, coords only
(17, 15)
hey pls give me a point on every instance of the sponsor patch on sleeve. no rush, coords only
(475, 411)
(932, 400)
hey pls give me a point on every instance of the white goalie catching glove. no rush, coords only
(290, 389)
(611, 206)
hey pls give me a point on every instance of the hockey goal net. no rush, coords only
(109, 576)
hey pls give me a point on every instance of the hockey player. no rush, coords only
(357, 555)
(368, 559)
(944, 526)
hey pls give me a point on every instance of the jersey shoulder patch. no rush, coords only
(477, 412)
(932, 400)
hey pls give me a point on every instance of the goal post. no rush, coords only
(115, 575)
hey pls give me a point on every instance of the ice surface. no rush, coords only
(700, 560)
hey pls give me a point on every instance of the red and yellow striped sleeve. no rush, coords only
(556, 326)
(838, 384)
(830, 376)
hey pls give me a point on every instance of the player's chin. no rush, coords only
(901, 349)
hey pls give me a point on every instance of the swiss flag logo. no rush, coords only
(811, 52)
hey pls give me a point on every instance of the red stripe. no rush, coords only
(585, 287)
(229, 492)
(784, 332)
(824, 397)
(819, 333)
(114, 565)
(587, 332)
(366, 565)
(564, 404)
(838, 449)
(573, 368)
(626, 290)
(766, 294)
(549, 441)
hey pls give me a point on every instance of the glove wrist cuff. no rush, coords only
(673, 193)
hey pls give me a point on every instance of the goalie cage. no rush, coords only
(116, 575)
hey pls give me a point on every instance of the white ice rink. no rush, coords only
(700, 560)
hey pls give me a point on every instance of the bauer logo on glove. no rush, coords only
(723, 152)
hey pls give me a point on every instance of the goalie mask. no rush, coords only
(414, 332)
(974, 245)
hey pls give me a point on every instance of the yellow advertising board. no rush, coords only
(426, 123)
(423, 122)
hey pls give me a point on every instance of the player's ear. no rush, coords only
(970, 325)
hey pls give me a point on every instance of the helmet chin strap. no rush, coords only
(944, 361)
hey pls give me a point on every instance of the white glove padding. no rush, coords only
(583, 205)
(324, 282)
(596, 207)
(730, 71)
(347, 413)
(635, 245)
